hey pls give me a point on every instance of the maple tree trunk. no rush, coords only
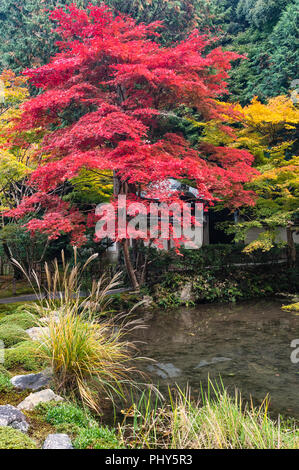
(123, 189)
(17, 273)
(291, 246)
(129, 266)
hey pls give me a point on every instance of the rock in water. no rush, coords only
(44, 396)
(164, 371)
(32, 381)
(214, 360)
(57, 441)
(11, 416)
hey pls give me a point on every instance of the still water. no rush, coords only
(247, 344)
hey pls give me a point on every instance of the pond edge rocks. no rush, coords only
(34, 399)
(57, 441)
(32, 381)
(13, 417)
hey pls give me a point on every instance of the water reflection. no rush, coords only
(247, 344)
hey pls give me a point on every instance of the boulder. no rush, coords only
(46, 320)
(32, 381)
(13, 417)
(214, 360)
(164, 370)
(57, 441)
(38, 333)
(44, 396)
(147, 301)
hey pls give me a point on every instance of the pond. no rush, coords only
(247, 344)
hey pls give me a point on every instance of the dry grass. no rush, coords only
(223, 422)
(93, 359)
(86, 348)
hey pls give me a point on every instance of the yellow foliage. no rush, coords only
(15, 161)
(279, 111)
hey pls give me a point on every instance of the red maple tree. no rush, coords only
(103, 98)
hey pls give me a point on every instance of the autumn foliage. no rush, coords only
(104, 101)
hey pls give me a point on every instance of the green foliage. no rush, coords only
(78, 422)
(264, 29)
(206, 287)
(12, 439)
(268, 35)
(214, 278)
(24, 355)
(12, 334)
(209, 256)
(27, 33)
(3, 371)
(5, 384)
(91, 188)
(260, 12)
(22, 246)
(179, 17)
(220, 421)
(97, 438)
(23, 320)
(283, 51)
(68, 413)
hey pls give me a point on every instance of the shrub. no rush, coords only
(24, 355)
(12, 334)
(24, 320)
(291, 308)
(5, 384)
(97, 438)
(67, 413)
(12, 439)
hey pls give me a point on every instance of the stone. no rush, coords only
(215, 360)
(147, 301)
(57, 441)
(164, 371)
(44, 396)
(46, 320)
(32, 381)
(186, 293)
(11, 416)
(38, 333)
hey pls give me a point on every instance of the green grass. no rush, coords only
(79, 424)
(5, 384)
(9, 309)
(12, 439)
(24, 355)
(12, 334)
(24, 320)
(222, 422)
(98, 437)
(68, 413)
(3, 371)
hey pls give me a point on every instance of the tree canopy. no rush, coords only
(105, 97)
